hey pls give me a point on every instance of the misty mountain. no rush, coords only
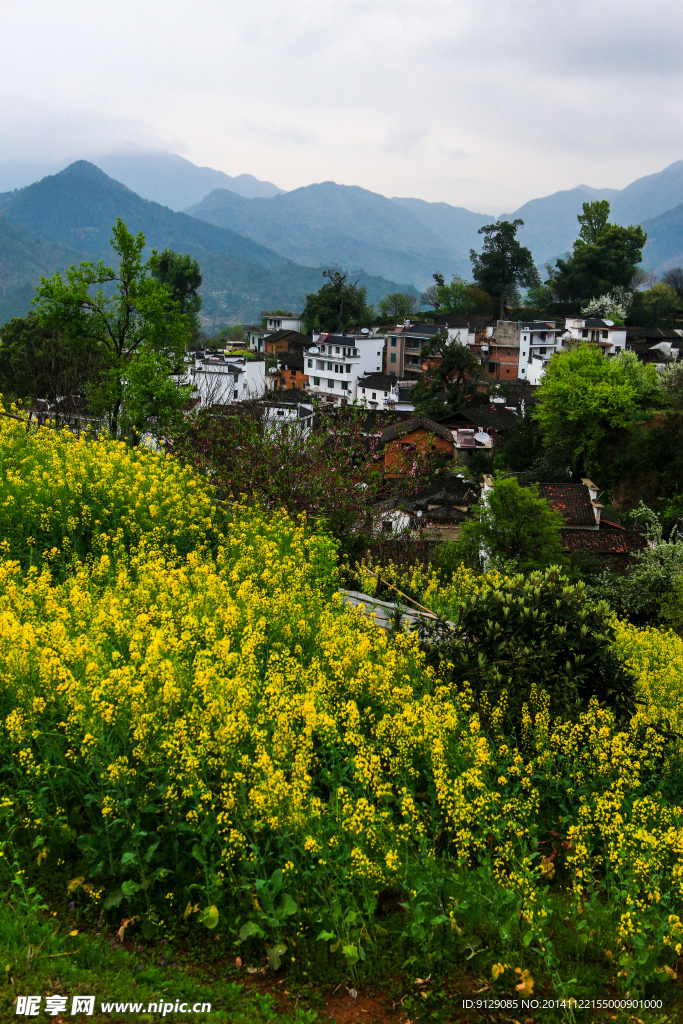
(24, 259)
(650, 196)
(69, 216)
(664, 246)
(457, 227)
(175, 182)
(345, 225)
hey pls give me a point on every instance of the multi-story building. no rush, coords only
(403, 358)
(335, 362)
(281, 322)
(520, 350)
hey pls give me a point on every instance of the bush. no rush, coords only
(532, 634)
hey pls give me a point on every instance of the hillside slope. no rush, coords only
(340, 224)
(69, 216)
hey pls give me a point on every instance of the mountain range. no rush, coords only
(68, 216)
(261, 247)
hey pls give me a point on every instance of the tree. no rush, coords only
(332, 473)
(583, 396)
(513, 525)
(656, 307)
(451, 379)
(396, 305)
(36, 363)
(603, 257)
(674, 278)
(120, 316)
(430, 296)
(503, 262)
(533, 633)
(614, 305)
(337, 306)
(455, 297)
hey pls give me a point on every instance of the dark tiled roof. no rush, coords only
(609, 542)
(475, 321)
(280, 335)
(416, 422)
(379, 419)
(377, 382)
(651, 335)
(536, 325)
(597, 322)
(287, 396)
(447, 490)
(571, 500)
(292, 360)
(422, 331)
(483, 416)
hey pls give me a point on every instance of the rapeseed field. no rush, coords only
(196, 734)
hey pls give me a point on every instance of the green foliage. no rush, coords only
(396, 305)
(535, 632)
(451, 380)
(512, 527)
(120, 316)
(584, 396)
(504, 262)
(603, 257)
(35, 362)
(455, 297)
(337, 306)
(656, 307)
(182, 276)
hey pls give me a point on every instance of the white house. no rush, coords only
(377, 391)
(222, 380)
(593, 331)
(335, 362)
(282, 322)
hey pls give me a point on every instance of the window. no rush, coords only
(329, 366)
(584, 334)
(374, 394)
(605, 334)
(492, 367)
(330, 383)
(393, 357)
(387, 526)
(336, 350)
(393, 342)
(319, 364)
(355, 351)
(363, 390)
(345, 385)
(293, 373)
(310, 362)
(348, 368)
(316, 382)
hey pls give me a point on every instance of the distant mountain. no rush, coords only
(550, 224)
(73, 212)
(175, 182)
(650, 196)
(456, 227)
(24, 258)
(664, 246)
(345, 225)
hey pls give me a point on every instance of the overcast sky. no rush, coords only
(480, 103)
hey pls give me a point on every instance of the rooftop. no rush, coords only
(416, 422)
(377, 382)
(572, 501)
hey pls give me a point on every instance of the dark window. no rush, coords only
(393, 357)
(393, 342)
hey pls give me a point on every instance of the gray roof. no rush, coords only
(416, 422)
(377, 382)
(483, 416)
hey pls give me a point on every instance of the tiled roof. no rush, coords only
(279, 335)
(650, 334)
(292, 360)
(377, 382)
(447, 490)
(415, 423)
(571, 500)
(609, 542)
(483, 416)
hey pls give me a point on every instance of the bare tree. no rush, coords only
(674, 278)
(430, 296)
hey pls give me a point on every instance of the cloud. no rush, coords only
(483, 103)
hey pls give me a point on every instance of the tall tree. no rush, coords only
(455, 297)
(583, 397)
(503, 262)
(120, 316)
(451, 379)
(36, 363)
(603, 258)
(183, 277)
(337, 306)
(396, 305)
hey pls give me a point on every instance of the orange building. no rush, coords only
(418, 434)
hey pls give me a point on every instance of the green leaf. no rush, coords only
(209, 917)
(128, 857)
(275, 953)
(129, 888)
(528, 938)
(325, 936)
(250, 929)
(351, 953)
(113, 900)
(288, 905)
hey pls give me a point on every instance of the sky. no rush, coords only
(479, 103)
